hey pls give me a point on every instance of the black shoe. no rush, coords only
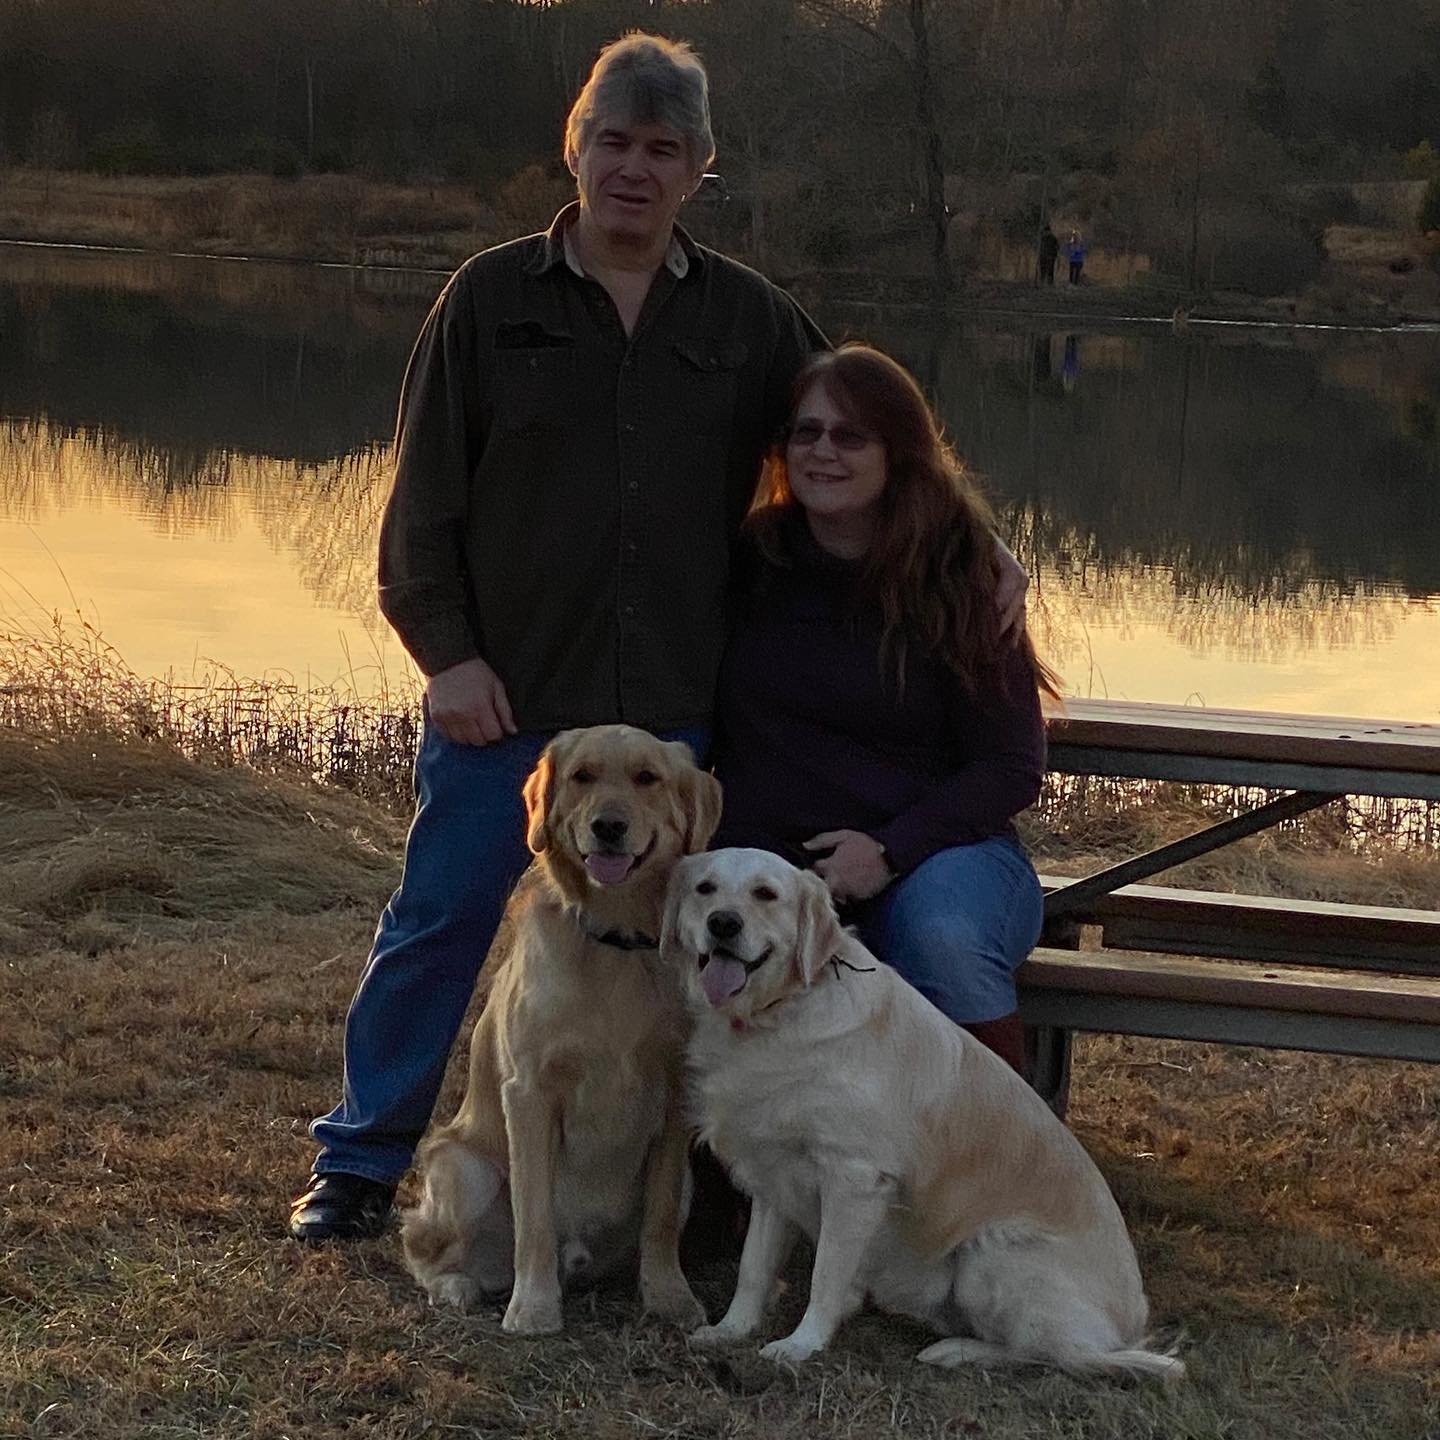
(337, 1206)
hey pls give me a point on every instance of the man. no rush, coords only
(1049, 252)
(580, 430)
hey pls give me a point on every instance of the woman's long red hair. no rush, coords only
(931, 566)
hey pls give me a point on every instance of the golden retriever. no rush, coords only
(569, 1151)
(931, 1178)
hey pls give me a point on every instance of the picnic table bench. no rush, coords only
(1238, 969)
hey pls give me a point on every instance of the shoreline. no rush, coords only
(340, 221)
(1123, 305)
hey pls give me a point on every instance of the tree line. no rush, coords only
(851, 132)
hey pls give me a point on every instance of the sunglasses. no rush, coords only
(843, 437)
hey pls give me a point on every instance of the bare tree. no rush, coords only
(900, 31)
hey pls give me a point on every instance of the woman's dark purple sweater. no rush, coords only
(812, 736)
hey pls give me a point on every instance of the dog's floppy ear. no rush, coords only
(539, 793)
(818, 935)
(704, 799)
(700, 798)
(674, 898)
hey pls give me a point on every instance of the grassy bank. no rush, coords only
(180, 944)
(319, 217)
(1371, 276)
(180, 937)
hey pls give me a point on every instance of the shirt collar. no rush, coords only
(557, 247)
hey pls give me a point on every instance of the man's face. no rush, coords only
(633, 178)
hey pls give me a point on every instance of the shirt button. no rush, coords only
(633, 487)
(629, 610)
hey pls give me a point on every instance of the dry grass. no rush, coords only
(181, 933)
(1368, 267)
(59, 677)
(314, 217)
(179, 944)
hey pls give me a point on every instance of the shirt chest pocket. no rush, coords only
(707, 379)
(534, 387)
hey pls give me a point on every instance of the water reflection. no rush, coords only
(1247, 517)
(1237, 460)
(322, 517)
(190, 357)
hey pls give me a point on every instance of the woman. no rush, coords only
(871, 721)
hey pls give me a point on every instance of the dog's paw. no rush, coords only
(576, 1261)
(711, 1337)
(454, 1291)
(673, 1300)
(532, 1315)
(789, 1351)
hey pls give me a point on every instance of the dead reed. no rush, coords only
(62, 678)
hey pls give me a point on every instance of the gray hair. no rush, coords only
(644, 80)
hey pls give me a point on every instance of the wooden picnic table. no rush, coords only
(1317, 758)
(1247, 747)
(1305, 974)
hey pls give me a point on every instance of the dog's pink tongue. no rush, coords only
(721, 978)
(608, 869)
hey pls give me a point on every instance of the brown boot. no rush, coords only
(1006, 1037)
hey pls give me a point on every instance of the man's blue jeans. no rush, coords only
(464, 853)
(958, 926)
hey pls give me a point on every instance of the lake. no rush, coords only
(193, 459)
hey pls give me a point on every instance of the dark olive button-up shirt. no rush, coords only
(566, 496)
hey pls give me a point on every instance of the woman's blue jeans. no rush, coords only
(464, 853)
(958, 926)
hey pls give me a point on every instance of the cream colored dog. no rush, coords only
(569, 1149)
(931, 1178)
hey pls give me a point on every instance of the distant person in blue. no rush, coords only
(1076, 250)
(1070, 363)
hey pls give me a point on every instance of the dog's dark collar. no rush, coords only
(741, 1026)
(637, 940)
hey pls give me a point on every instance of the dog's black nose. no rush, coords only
(609, 832)
(724, 924)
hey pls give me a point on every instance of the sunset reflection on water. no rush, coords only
(193, 462)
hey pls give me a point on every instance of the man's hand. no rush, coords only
(856, 869)
(468, 704)
(1012, 581)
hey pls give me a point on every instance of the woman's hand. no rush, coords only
(856, 868)
(1012, 580)
(468, 704)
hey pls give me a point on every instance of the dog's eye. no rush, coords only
(764, 892)
(646, 777)
(705, 887)
(584, 776)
